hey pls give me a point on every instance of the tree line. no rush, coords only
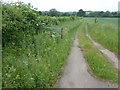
(80, 13)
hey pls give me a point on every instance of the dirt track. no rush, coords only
(75, 74)
(110, 55)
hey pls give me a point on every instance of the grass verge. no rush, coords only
(98, 64)
(105, 34)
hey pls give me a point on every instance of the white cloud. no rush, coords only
(73, 5)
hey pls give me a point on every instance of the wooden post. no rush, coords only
(61, 33)
(51, 34)
(96, 20)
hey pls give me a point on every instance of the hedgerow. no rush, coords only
(31, 59)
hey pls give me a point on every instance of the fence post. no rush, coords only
(50, 34)
(61, 33)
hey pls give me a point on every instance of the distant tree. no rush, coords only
(67, 14)
(95, 14)
(107, 14)
(114, 14)
(100, 14)
(40, 13)
(64, 14)
(74, 14)
(81, 13)
(54, 12)
(45, 13)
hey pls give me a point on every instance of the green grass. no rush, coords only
(38, 64)
(112, 21)
(105, 34)
(0, 67)
(98, 64)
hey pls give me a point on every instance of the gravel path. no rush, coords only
(110, 55)
(75, 74)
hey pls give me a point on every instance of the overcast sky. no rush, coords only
(73, 5)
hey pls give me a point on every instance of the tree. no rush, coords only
(101, 13)
(54, 12)
(39, 12)
(107, 14)
(114, 14)
(81, 13)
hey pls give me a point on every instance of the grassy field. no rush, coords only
(105, 32)
(112, 21)
(98, 64)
